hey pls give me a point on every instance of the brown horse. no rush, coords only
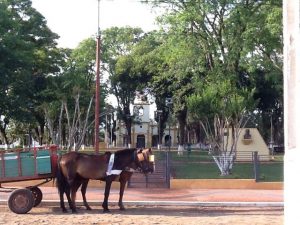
(76, 168)
(123, 178)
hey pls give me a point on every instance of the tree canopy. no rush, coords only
(28, 54)
(211, 57)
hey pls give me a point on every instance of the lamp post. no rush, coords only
(169, 103)
(97, 94)
(128, 137)
(159, 112)
(111, 129)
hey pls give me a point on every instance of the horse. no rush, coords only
(123, 178)
(75, 169)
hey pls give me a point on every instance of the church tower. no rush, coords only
(142, 130)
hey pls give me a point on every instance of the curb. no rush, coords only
(170, 203)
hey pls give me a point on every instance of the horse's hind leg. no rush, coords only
(68, 188)
(62, 202)
(83, 192)
(76, 184)
(71, 205)
(62, 186)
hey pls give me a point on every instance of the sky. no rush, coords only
(76, 20)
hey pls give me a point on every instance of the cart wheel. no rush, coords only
(21, 201)
(37, 195)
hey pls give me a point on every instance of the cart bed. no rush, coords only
(21, 165)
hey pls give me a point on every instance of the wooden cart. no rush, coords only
(24, 165)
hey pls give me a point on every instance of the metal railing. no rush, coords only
(201, 165)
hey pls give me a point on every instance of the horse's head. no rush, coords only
(145, 160)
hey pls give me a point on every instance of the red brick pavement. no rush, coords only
(168, 195)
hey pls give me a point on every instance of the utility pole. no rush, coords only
(97, 94)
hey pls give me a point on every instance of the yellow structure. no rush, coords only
(247, 144)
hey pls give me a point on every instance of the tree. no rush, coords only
(222, 111)
(117, 45)
(69, 116)
(227, 48)
(180, 67)
(166, 60)
(148, 64)
(27, 54)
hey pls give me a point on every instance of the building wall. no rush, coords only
(245, 146)
(256, 143)
(146, 127)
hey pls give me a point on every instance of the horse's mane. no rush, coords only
(122, 155)
(125, 151)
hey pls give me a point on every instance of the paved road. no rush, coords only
(234, 197)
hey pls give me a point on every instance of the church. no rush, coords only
(144, 134)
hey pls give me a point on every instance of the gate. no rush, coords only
(160, 178)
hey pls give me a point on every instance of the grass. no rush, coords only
(200, 165)
(268, 171)
(271, 172)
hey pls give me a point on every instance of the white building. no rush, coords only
(145, 132)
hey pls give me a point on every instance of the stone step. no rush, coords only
(156, 179)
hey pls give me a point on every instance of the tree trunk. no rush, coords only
(3, 135)
(181, 117)
(128, 127)
(39, 129)
(50, 126)
(84, 128)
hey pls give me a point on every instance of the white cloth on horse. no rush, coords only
(110, 171)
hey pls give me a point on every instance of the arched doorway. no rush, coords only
(140, 141)
(154, 140)
(168, 140)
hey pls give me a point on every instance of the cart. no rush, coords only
(24, 165)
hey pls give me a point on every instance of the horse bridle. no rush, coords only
(139, 157)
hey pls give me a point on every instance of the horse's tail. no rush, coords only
(61, 181)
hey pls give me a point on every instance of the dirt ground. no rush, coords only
(141, 215)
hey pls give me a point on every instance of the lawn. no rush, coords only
(200, 165)
(268, 171)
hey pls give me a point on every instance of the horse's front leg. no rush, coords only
(122, 188)
(124, 177)
(106, 194)
(83, 192)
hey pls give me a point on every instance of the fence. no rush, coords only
(200, 165)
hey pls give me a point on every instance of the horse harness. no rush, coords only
(138, 157)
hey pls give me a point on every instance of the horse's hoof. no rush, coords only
(121, 207)
(88, 208)
(74, 211)
(106, 211)
(64, 210)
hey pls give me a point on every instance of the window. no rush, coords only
(138, 110)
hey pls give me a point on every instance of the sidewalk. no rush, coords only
(164, 196)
